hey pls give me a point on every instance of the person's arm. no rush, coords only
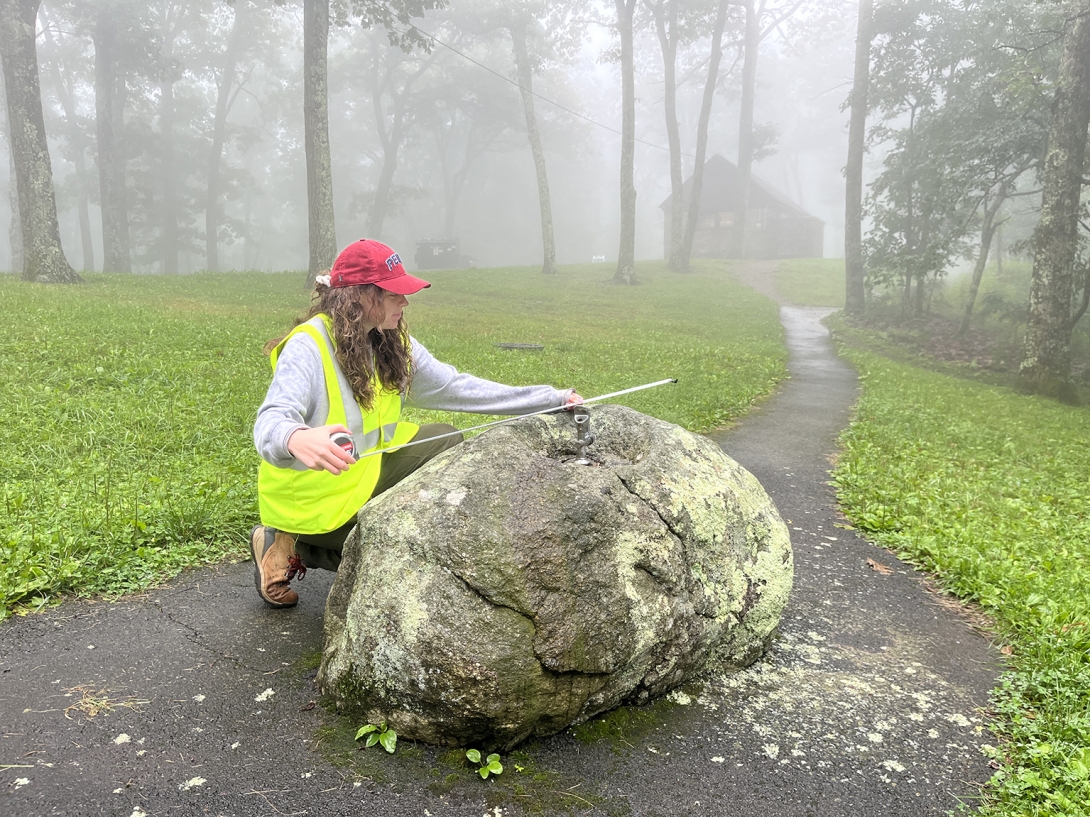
(283, 432)
(440, 386)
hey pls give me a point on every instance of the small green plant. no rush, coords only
(385, 737)
(489, 765)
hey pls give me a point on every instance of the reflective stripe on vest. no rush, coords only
(300, 500)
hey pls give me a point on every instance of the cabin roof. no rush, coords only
(719, 191)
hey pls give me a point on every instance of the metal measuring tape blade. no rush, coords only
(553, 410)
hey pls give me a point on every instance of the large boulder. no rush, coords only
(503, 591)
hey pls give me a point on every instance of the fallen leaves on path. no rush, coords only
(878, 567)
(92, 702)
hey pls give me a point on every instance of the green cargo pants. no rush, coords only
(324, 549)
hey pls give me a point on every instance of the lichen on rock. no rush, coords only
(503, 591)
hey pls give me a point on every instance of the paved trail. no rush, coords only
(868, 704)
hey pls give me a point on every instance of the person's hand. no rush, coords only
(313, 448)
(573, 400)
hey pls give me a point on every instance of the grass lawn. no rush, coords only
(812, 281)
(130, 400)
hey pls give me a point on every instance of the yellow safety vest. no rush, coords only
(300, 500)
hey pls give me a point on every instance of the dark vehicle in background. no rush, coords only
(440, 253)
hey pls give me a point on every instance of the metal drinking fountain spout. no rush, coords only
(583, 435)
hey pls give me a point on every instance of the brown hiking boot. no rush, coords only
(275, 564)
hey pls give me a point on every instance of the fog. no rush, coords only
(463, 108)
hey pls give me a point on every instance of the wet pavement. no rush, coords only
(196, 699)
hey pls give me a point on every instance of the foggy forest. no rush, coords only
(427, 107)
(919, 137)
(207, 101)
(427, 132)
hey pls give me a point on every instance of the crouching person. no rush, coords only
(347, 367)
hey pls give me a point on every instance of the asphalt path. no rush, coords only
(194, 698)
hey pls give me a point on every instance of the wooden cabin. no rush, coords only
(775, 227)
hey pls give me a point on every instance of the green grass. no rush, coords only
(130, 400)
(989, 490)
(812, 281)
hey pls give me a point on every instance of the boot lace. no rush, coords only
(295, 568)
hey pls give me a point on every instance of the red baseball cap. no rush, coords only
(371, 262)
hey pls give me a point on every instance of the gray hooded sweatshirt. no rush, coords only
(297, 396)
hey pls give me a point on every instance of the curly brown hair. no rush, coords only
(362, 354)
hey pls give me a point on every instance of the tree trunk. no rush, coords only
(921, 274)
(381, 203)
(910, 224)
(121, 96)
(987, 233)
(745, 124)
(247, 235)
(15, 229)
(454, 180)
(1046, 363)
(453, 189)
(702, 135)
(626, 254)
(443, 134)
(44, 259)
(212, 207)
(84, 208)
(665, 15)
(168, 173)
(323, 234)
(111, 168)
(855, 300)
(75, 138)
(1084, 301)
(391, 142)
(522, 63)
